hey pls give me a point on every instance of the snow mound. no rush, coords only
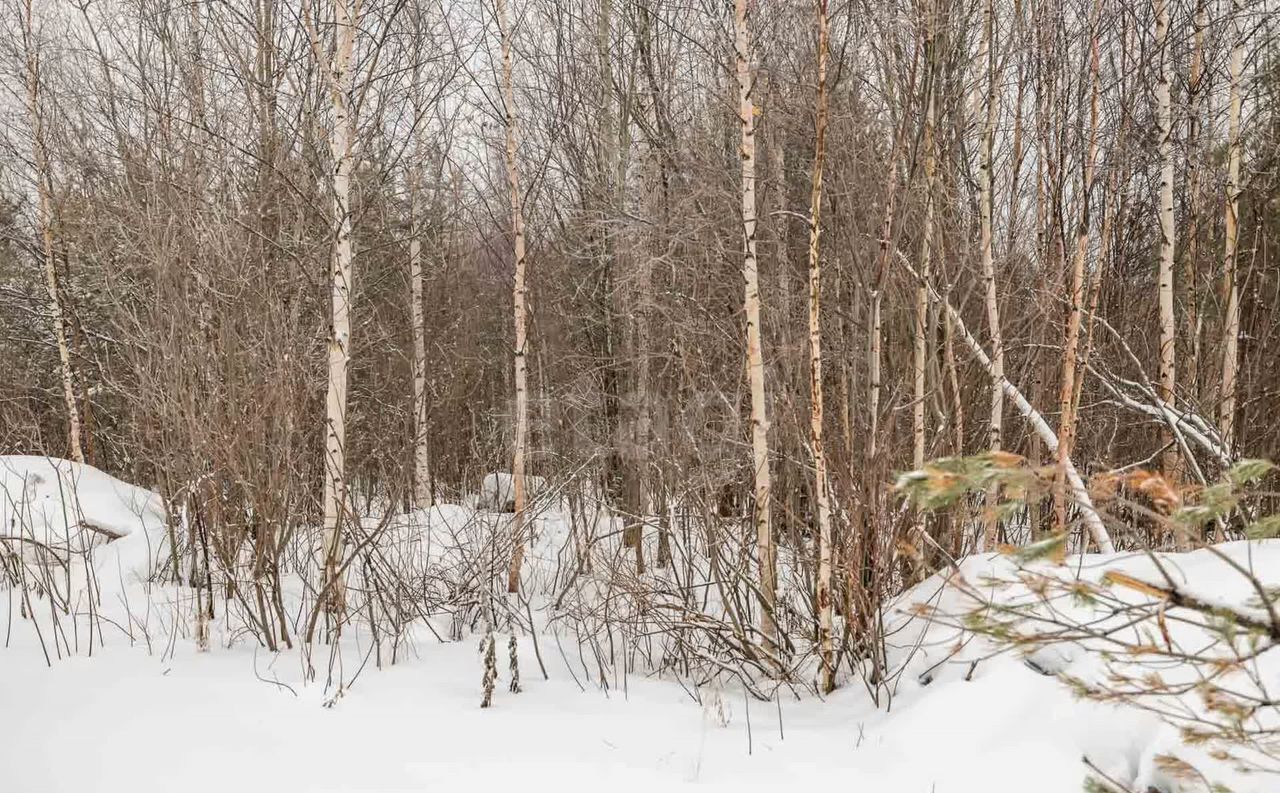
(53, 510)
(1135, 668)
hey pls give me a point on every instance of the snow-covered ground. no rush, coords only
(126, 720)
(150, 713)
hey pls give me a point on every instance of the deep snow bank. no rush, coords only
(53, 511)
(1165, 692)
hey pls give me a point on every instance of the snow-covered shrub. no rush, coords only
(1193, 638)
(498, 491)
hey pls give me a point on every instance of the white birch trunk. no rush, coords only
(44, 227)
(1168, 238)
(823, 588)
(755, 357)
(341, 145)
(421, 448)
(995, 429)
(1194, 156)
(953, 379)
(518, 301)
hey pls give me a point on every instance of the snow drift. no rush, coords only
(53, 510)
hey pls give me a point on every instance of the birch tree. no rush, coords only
(886, 245)
(1196, 91)
(1231, 322)
(421, 447)
(336, 68)
(518, 300)
(825, 650)
(744, 71)
(1164, 137)
(920, 340)
(44, 227)
(1075, 290)
(985, 186)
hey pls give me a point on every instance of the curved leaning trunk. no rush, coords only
(1092, 519)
